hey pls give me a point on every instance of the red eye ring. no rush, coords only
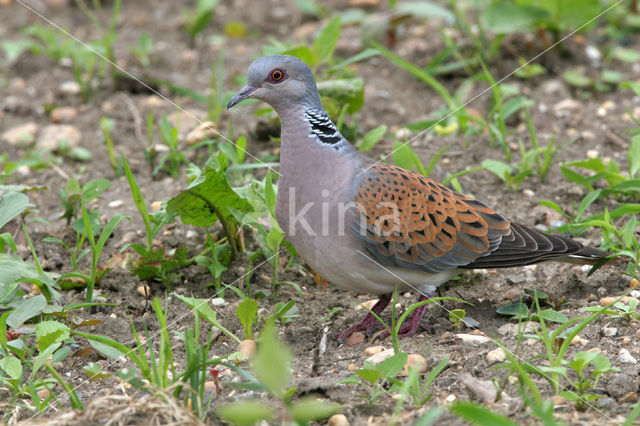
(277, 75)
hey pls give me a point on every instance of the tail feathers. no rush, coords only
(526, 246)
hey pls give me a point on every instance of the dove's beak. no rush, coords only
(243, 94)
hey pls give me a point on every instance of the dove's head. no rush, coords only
(280, 81)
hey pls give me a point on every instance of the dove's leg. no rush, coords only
(369, 322)
(409, 328)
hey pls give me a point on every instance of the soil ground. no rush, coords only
(33, 83)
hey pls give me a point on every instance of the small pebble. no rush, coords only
(218, 302)
(372, 350)
(472, 339)
(247, 348)
(63, 114)
(380, 356)
(577, 340)
(338, 420)
(634, 283)
(191, 234)
(355, 338)
(450, 399)
(625, 357)
(69, 88)
(528, 192)
(593, 153)
(609, 331)
(22, 134)
(496, 355)
(414, 361)
(53, 135)
(558, 400)
(115, 204)
(368, 304)
(155, 206)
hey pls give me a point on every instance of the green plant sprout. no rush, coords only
(271, 366)
(196, 19)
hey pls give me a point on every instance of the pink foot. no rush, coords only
(369, 322)
(408, 329)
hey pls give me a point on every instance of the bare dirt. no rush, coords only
(32, 84)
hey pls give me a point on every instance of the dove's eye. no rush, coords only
(276, 76)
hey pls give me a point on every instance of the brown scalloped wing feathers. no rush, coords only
(409, 220)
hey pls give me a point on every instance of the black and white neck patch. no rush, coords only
(322, 126)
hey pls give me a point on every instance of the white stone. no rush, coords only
(380, 356)
(625, 357)
(593, 153)
(115, 204)
(496, 355)
(218, 302)
(473, 339)
(53, 135)
(69, 87)
(23, 133)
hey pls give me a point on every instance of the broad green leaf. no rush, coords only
(478, 415)
(425, 10)
(370, 375)
(12, 366)
(50, 332)
(577, 78)
(303, 53)
(247, 310)
(92, 189)
(25, 309)
(505, 17)
(11, 205)
(344, 91)
(372, 137)
(551, 315)
(311, 409)
(498, 168)
(272, 361)
(208, 196)
(393, 365)
(518, 310)
(325, 43)
(248, 412)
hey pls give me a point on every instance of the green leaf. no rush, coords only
(106, 350)
(498, 168)
(325, 43)
(518, 310)
(311, 409)
(371, 376)
(393, 365)
(344, 91)
(208, 196)
(25, 309)
(92, 189)
(577, 78)
(625, 55)
(50, 332)
(425, 10)
(303, 53)
(505, 17)
(12, 366)
(551, 315)
(478, 415)
(247, 412)
(372, 137)
(457, 315)
(272, 361)
(11, 205)
(247, 310)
